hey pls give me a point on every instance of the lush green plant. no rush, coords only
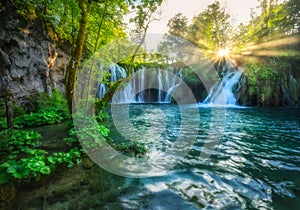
(263, 80)
(22, 160)
(38, 163)
(13, 145)
(91, 138)
(88, 135)
(55, 100)
(16, 141)
(29, 167)
(42, 117)
(70, 157)
(101, 116)
(132, 148)
(3, 123)
(50, 110)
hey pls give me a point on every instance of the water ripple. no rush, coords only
(255, 166)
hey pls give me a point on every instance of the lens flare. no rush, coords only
(223, 52)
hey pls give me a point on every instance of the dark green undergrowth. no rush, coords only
(22, 160)
(49, 110)
(93, 134)
(270, 82)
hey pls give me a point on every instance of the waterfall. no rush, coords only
(159, 87)
(101, 90)
(222, 92)
(141, 88)
(171, 87)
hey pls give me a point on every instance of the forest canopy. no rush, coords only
(84, 26)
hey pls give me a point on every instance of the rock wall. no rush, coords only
(30, 61)
(282, 91)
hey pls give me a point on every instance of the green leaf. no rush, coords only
(45, 170)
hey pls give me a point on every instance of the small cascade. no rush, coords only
(155, 86)
(102, 89)
(222, 92)
(142, 85)
(171, 86)
(160, 91)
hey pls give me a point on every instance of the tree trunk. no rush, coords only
(9, 110)
(75, 60)
(95, 49)
(104, 102)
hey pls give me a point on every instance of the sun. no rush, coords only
(223, 52)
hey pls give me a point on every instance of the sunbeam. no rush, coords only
(279, 47)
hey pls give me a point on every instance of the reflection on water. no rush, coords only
(256, 164)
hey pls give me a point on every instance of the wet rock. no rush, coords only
(4, 59)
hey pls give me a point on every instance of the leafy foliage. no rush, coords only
(132, 149)
(178, 25)
(91, 135)
(40, 118)
(210, 28)
(24, 161)
(50, 110)
(15, 141)
(54, 101)
(276, 20)
(265, 79)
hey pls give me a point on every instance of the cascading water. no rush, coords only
(140, 89)
(222, 92)
(141, 86)
(159, 87)
(102, 89)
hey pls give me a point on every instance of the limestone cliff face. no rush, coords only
(283, 91)
(30, 61)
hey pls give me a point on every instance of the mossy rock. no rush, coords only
(87, 163)
(293, 87)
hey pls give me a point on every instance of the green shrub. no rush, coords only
(43, 117)
(3, 123)
(88, 135)
(37, 164)
(55, 100)
(16, 141)
(50, 110)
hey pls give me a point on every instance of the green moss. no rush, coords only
(293, 88)
(264, 76)
(267, 91)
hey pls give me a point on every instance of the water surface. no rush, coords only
(255, 165)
